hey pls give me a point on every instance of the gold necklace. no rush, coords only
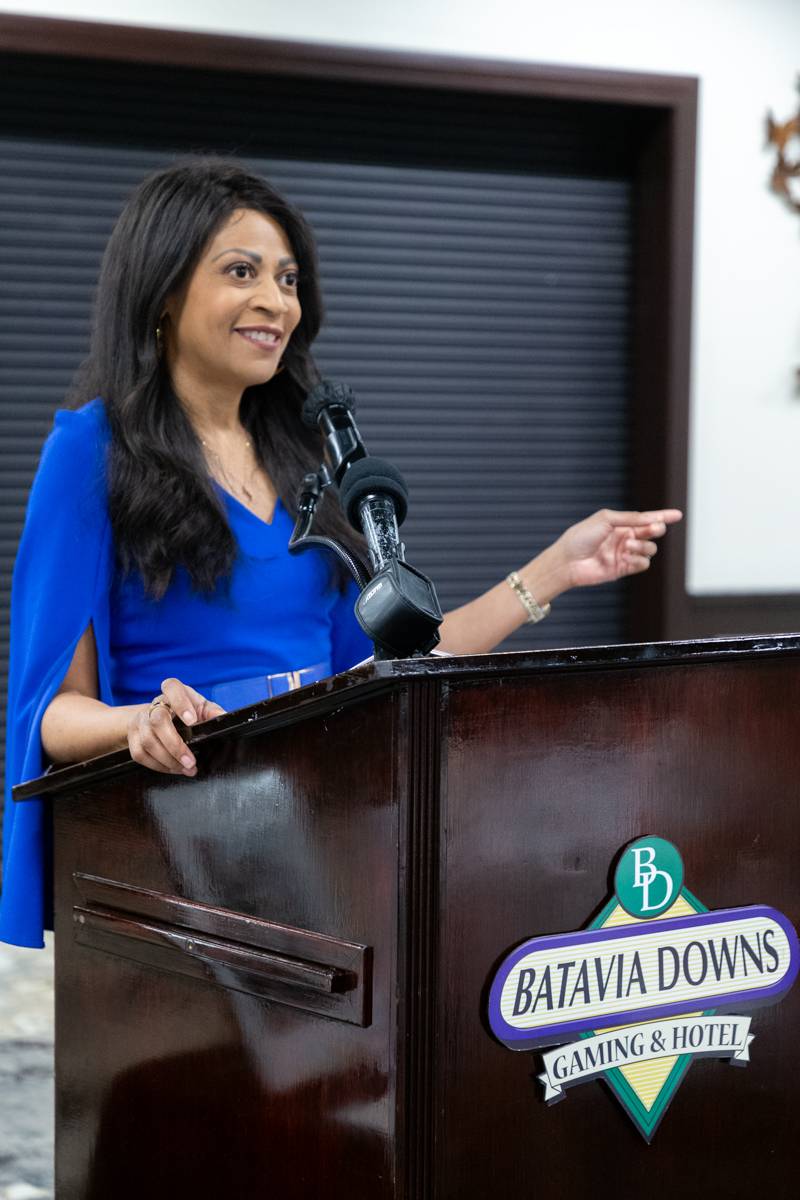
(232, 485)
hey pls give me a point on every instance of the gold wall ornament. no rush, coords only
(785, 180)
(785, 137)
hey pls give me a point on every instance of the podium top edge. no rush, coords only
(374, 677)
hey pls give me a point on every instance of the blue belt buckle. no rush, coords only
(290, 681)
(239, 693)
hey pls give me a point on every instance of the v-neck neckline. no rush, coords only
(230, 496)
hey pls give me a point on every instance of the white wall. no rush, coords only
(744, 503)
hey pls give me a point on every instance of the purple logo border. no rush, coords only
(546, 1034)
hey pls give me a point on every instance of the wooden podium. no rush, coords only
(272, 979)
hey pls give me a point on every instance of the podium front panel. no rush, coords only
(206, 1044)
(544, 780)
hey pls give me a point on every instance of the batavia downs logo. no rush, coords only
(652, 984)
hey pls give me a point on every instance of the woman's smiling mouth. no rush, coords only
(265, 339)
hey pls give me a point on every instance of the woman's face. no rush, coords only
(230, 324)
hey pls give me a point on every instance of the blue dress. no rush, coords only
(280, 613)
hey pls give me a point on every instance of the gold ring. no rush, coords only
(159, 700)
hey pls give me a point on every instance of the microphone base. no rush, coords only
(399, 611)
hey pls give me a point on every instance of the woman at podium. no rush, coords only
(153, 576)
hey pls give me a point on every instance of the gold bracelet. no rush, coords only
(536, 612)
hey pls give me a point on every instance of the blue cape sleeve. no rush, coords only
(60, 585)
(349, 643)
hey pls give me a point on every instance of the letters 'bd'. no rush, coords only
(551, 988)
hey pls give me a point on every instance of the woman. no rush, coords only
(155, 540)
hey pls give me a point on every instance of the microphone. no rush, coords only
(372, 492)
(398, 609)
(330, 406)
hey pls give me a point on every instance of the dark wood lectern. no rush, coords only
(272, 979)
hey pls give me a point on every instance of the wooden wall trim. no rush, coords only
(92, 39)
(680, 198)
(664, 199)
(711, 616)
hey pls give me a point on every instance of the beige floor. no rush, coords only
(26, 1073)
(26, 992)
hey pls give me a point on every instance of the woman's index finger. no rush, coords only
(180, 699)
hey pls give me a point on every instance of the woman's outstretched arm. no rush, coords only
(606, 546)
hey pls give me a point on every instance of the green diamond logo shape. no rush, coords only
(645, 1090)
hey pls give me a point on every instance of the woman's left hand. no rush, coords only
(609, 545)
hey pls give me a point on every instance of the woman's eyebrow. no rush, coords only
(238, 250)
(282, 262)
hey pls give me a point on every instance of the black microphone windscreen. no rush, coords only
(372, 476)
(326, 393)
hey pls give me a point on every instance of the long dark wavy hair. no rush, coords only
(164, 509)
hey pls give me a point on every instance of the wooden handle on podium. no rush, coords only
(93, 924)
(233, 950)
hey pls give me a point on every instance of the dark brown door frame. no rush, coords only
(664, 222)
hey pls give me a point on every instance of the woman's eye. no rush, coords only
(235, 268)
(290, 278)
